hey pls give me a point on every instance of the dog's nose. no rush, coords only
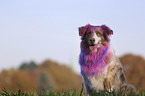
(92, 40)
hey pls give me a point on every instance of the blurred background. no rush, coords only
(40, 44)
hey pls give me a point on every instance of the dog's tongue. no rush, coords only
(92, 48)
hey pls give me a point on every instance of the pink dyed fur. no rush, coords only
(93, 63)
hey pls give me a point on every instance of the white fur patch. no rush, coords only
(97, 38)
(97, 82)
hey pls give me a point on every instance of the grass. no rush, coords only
(74, 93)
(48, 93)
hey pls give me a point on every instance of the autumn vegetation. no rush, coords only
(50, 75)
(134, 67)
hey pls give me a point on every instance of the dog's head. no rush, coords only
(94, 36)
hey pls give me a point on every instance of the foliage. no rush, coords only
(74, 93)
(17, 79)
(47, 75)
(63, 79)
(19, 93)
(134, 70)
(44, 82)
(28, 65)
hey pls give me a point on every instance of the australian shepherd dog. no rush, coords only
(100, 68)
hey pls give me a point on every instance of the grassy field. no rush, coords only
(74, 93)
(53, 93)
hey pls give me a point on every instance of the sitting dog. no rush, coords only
(100, 68)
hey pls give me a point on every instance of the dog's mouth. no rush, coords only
(92, 44)
(94, 47)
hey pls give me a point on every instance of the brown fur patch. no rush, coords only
(108, 69)
(129, 90)
(122, 78)
(106, 84)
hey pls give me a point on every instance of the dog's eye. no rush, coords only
(98, 33)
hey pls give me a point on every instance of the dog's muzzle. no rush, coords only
(93, 46)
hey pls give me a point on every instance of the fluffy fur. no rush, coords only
(100, 67)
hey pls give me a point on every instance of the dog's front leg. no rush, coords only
(106, 84)
(87, 90)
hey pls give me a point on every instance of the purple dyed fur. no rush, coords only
(93, 63)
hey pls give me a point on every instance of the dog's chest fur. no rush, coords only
(96, 82)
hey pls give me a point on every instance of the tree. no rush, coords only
(28, 65)
(44, 82)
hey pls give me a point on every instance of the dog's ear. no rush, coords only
(83, 30)
(107, 30)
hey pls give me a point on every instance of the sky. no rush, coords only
(48, 29)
